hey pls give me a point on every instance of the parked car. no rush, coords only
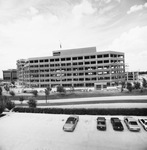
(143, 122)
(132, 124)
(117, 125)
(101, 123)
(71, 123)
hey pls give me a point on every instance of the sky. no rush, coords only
(35, 28)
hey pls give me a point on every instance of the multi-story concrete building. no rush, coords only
(20, 71)
(82, 67)
(10, 75)
(131, 76)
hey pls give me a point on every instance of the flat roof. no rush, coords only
(75, 52)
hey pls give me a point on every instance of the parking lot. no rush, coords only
(45, 132)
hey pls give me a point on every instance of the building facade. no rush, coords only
(83, 67)
(10, 75)
(131, 76)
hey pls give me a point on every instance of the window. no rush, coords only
(99, 56)
(87, 63)
(80, 58)
(92, 57)
(57, 59)
(41, 61)
(74, 58)
(86, 57)
(80, 63)
(100, 62)
(68, 58)
(62, 59)
(106, 55)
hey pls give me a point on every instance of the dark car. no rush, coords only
(117, 125)
(101, 123)
(71, 123)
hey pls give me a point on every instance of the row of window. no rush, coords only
(70, 85)
(76, 58)
(76, 79)
(75, 74)
(73, 64)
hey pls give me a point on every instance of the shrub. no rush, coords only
(12, 93)
(129, 87)
(10, 105)
(21, 99)
(82, 111)
(60, 89)
(137, 85)
(32, 102)
(3, 100)
(1, 107)
(1, 90)
(35, 93)
(144, 83)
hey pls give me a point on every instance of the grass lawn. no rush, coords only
(76, 94)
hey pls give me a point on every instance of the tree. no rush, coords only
(35, 93)
(1, 90)
(7, 88)
(12, 93)
(47, 92)
(21, 99)
(2, 105)
(122, 86)
(32, 102)
(129, 86)
(137, 85)
(10, 105)
(144, 83)
(60, 89)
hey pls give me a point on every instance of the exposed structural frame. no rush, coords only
(82, 67)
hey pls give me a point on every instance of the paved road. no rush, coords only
(92, 100)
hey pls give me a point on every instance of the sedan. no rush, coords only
(101, 123)
(143, 122)
(132, 124)
(117, 125)
(71, 123)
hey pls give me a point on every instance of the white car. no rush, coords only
(143, 122)
(71, 123)
(132, 124)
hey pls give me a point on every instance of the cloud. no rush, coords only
(136, 8)
(33, 11)
(85, 8)
(133, 43)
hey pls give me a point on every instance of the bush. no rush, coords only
(1, 90)
(82, 111)
(35, 93)
(32, 102)
(12, 93)
(129, 87)
(10, 105)
(2, 107)
(21, 99)
(60, 89)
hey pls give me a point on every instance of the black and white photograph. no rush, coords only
(73, 74)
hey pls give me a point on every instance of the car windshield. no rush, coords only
(133, 122)
(101, 122)
(118, 123)
(70, 120)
